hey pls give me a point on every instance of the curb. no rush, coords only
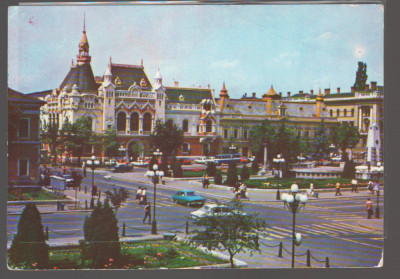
(370, 227)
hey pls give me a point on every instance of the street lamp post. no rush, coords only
(93, 164)
(155, 175)
(279, 161)
(265, 156)
(377, 211)
(232, 149)
(294, 202)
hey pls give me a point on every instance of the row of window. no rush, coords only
(344, 114)
(185, 126)
(134, 125)
(235, 134)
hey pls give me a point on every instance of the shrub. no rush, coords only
(254, 166)
(29, 245)
(245, 173)
(211, 169)
(349, 170)
(101, 233)
(232, 176)
(218, 178)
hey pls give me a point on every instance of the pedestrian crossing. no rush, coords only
(318, 230)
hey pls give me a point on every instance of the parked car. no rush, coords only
(337, 158)
(213, 209)
(110, 163)
(69, 180)
(188, 198)
(251, 159)
(141, 163)
(122, 167)
(203, 160)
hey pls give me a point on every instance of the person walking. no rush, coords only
(242, 190)
(338, 189)
(143, 199)
(84, 169)
(377, 188)
(138, 194)
(370, 187)
(147, 212)
(203, 181)
(368, 207)
(206, 181)
(354, 186)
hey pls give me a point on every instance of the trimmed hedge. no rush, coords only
(303, 183)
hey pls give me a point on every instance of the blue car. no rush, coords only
(188, 198)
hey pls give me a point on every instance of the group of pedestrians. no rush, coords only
(141, 197)
(240, 191)
(374, 187)
(205, 181)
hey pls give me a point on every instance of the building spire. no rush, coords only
(84, 17)
(84, 57)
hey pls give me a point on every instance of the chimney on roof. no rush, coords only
(176, 83)
(312, 91)
(245, 95)
(254, 95)
(366, 87)
(208, 86)
(288, 94)
(353, 90)
(327, 91)
(280, 94)
(373, 85)
(301, 92)
(338, 90)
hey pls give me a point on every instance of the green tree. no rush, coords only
(235, 232)
(176, 167)
(258, 136)
(345, 136)
(29, 245)
(110, 146)
(168, 138)
(232, 175)
(321, 144)
(117, 197)
(153, 161)
(77, 135)
(361, 77)
(245, 173)
(101, 234)
(50, 135)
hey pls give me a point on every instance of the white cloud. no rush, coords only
(225, 64)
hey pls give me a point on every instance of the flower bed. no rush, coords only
(137, 255)
(17, 194)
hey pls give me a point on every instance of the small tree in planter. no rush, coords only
(29, 245)
(245, 173)
(101, 234)
(117, 197)
(232, 176)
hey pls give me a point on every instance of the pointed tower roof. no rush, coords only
(271, 93)
(158, 75)
(83, 56)
(224, 92)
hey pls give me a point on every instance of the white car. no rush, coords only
(203, 160)
(212, 209)
(141, 163)
(338, 158)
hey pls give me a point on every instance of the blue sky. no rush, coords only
(250, 48)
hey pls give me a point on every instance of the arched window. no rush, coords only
(337, 112)
(345, 112)
(121, 122)
(134, 121)
(186, 147)
(209, 126)
(185, 125)
(147, 122)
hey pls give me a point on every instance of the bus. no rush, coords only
(227, 158)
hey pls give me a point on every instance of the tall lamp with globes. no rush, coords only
(92, 163)
(155, 175)
(294, 202)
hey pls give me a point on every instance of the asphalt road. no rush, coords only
(329, 227)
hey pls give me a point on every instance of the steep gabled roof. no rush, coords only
(128, 75)
(81, 75)
(190, 95)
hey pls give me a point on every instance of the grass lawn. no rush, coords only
(138, 255)
(41, 195)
